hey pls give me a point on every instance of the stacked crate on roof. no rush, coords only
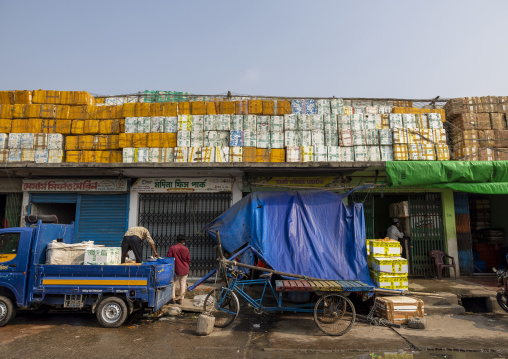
(478, 128)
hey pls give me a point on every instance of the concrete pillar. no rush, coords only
(133, 208)
(236, 192)
(449, 227)
(24, 208)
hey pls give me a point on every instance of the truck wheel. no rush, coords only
(112, 312)
(7, 310)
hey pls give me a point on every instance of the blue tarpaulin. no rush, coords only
(310, 233)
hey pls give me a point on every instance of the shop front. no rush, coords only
(171, 206)
(10, 202)
(98, 208)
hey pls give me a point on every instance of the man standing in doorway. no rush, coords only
(132, 240)
(182, 259)
(393, 231)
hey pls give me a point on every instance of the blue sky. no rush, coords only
(407, 49)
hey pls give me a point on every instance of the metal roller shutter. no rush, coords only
(53, 197)
(103, 218)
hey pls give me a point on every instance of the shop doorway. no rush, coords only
(10, 209)
(489, 229)
(422, 224)
(166, 215)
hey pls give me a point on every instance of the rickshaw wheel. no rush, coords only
(223, 305)
(334, 314)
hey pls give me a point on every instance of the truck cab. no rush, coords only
(112, 292)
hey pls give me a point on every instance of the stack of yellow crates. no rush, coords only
(388, 269)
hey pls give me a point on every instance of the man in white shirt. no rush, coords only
(393, 231)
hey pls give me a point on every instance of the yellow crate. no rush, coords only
(48, 126)
(136, 109)
(198, 108)
(6, 97)
(107, 112)
(168, 140)
(86, 142)
(62, 112)
(227, 108)
(89, 156)
(139, 140)
(81, 112)
(256, 107)
(108, 156)
(5, 111)
(184, 108)
(78, 127)
(18, 111)
(19, 126)
(262, 155)
(277, 155)
(154, 140)
(23, 96)
(91, 127)
(48, 111)
(125, 140)
(384, 248)
(73, 156)
(34, 125)
(212, 108)
(63, 127)
(111, 127)
(39, 96)
(163, 109)
(129, 110)
(46, 97)
(33, 111)
(71, 143)
(99, 99)
(75, 98)
(5, 125)
(106, 142)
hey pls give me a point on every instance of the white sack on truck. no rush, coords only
(67, 254)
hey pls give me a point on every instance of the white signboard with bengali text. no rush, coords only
(178, 184)
(75, 185)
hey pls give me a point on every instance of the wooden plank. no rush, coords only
(307, 285)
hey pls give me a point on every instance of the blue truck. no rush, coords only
(112, 292)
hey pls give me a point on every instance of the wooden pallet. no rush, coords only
(322, 285)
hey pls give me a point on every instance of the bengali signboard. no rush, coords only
(329, 182)
(178, 184)
(75, 185)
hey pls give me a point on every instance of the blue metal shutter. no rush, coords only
(53, 197)
(103, 218)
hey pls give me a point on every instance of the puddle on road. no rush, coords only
(379, 355)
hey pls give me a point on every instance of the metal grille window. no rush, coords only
(166, 215)
(427, 232)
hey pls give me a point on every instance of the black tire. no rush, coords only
(112, 312)
(502, 300)
(334, 314)
(7, 310)
(226, 313)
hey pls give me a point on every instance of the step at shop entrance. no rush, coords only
(166, 215)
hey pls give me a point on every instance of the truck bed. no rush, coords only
(150, 283)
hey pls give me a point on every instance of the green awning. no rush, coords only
(487, 177)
